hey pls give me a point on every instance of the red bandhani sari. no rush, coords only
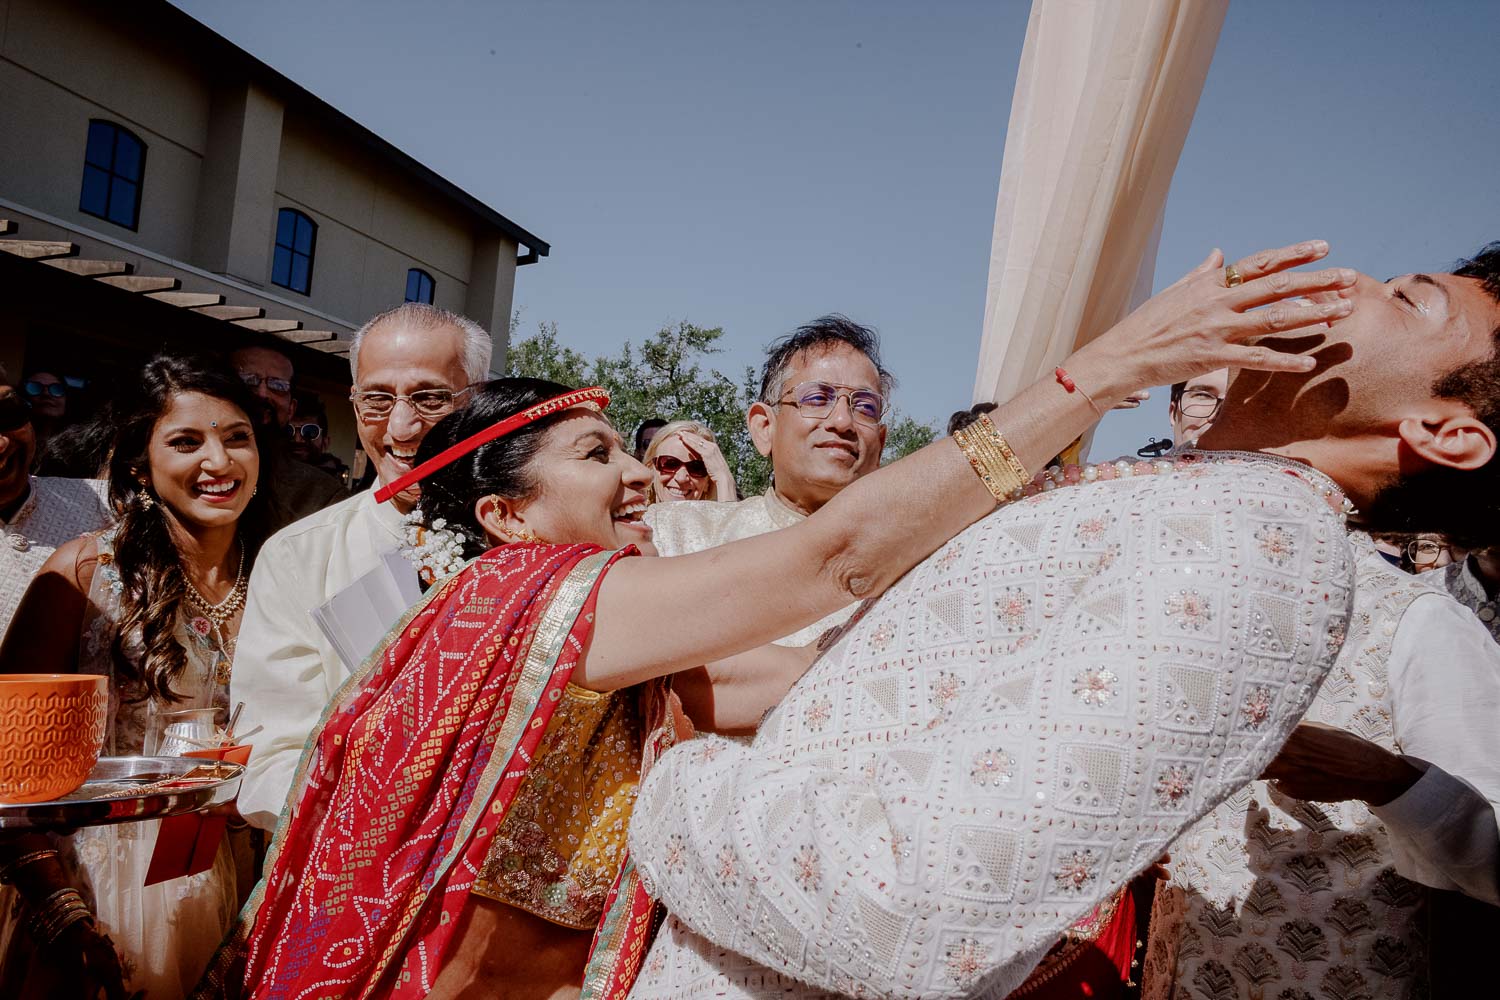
(412, 770)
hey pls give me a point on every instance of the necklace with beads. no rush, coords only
(214, 617)
(1126, 468)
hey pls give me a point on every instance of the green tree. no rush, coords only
(667, 377)
(905, 435)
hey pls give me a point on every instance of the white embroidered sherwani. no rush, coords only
(682, 526)
(1277, 898)
(1001, 741)
(54, 512)
(285, 670)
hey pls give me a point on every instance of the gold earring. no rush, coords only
(145, 500)
(523, 535)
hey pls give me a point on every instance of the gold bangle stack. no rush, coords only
(992, 459)
(62, 910)
(8, 873)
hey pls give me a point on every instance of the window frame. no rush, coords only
(292, 252)
(112, 174)
(431, 285)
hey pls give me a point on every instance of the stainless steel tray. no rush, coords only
(128, 789)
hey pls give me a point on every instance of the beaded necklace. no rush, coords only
(215, 616)
(1125, 468)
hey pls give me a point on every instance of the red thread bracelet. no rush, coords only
(1066, 381)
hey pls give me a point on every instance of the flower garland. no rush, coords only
(434, 549)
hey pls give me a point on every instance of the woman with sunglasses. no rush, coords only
(457, 823)
(686, 464)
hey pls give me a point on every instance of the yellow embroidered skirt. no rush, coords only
(560, 846)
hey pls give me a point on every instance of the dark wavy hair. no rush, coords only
(501, 467)
(1462, 505)
(146, 557)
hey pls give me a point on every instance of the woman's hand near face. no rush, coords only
(1198, 324)
(713, 459)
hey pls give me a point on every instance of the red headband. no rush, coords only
(594, 397)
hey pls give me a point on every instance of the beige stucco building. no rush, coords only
(163, 186)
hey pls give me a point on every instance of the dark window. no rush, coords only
(418, 286)
(296, 237)
(114, 161)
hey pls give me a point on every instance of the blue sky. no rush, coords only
(751, 166)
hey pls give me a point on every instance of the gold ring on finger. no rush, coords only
(1232, 276)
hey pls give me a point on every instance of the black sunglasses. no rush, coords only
(54, 389)
(15, 410)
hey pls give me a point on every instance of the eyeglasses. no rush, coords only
(818, 399)
(1200, 404)
(15, 411)
(307, 432)
(1425, 551)
(667, 466)
(54, 389)
(272, 382)
(427, 402)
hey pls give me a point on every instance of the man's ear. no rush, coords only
(500, 517)
(1456, 439)
(762, 421)
(884, 430)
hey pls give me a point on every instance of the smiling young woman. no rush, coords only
(154, 603)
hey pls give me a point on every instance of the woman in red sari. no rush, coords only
(457, 827)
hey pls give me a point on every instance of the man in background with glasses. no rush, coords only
(412, 366)
(300, 489)
(1195, 403)
(820, 420)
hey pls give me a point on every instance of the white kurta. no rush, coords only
(56, 511)
(1274, 897)
(1007, 736)
(285, 670)
(682, 526)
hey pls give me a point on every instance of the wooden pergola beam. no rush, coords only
(231, 312)
(269, 325)
(38, 249)
(142, 283)
(306, 336)
(90, 268)
(187, 300)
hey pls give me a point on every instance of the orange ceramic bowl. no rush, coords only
(51, 730)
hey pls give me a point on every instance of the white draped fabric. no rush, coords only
(1104, 97)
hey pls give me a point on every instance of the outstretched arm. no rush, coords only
(756, 590)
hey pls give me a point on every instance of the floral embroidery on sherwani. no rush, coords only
(1001, 742)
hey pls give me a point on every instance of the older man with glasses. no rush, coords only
(819, 419)
(412, 366)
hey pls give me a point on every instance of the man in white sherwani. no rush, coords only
(412, 365)
(1030, 717)
(1317, 883)
(823, 398)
